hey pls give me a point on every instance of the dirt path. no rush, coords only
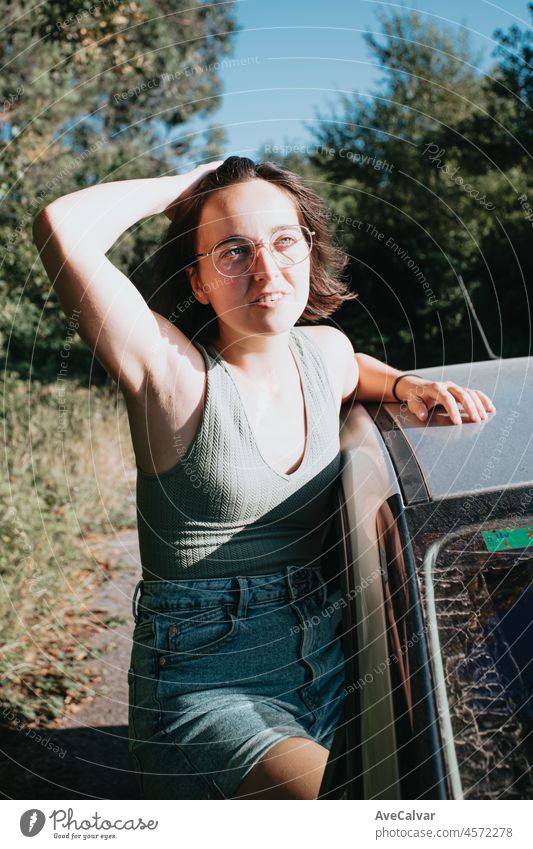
(84, 754)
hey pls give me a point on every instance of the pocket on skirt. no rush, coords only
(187, 635)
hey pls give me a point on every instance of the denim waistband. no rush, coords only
(290, 583)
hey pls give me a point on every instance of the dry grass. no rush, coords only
(64, 479)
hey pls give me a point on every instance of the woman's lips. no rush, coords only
(268, 304)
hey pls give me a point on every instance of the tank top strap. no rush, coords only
(317, 372)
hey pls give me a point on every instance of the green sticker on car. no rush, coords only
(508, 538)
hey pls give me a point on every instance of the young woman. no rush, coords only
(236, 679)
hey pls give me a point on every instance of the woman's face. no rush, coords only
(253, 209)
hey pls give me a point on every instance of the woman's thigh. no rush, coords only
(291, 769)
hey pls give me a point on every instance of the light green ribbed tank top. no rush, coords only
(222, 510)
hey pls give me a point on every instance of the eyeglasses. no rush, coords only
(236, 255)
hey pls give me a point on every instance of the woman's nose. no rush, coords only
(264, 261)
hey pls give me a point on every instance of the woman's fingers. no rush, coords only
(485, 400)
(417, 406)
(471, 403)
(445, 397)
(473, 400)
(427, 394)
(192, 178)
(480, 408)
(479, 404)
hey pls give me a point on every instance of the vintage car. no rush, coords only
(433, 538)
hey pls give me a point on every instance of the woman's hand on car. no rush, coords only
(422, 395)
(186, 183)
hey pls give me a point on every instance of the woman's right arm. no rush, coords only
(72, 235)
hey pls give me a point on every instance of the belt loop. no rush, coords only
(134, 600)
(292, 592)
(242, 604)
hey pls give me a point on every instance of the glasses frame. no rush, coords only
(263, 244)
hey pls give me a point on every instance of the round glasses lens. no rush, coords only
(234, 257)
(289, 245)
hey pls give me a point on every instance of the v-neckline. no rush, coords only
(300, 368)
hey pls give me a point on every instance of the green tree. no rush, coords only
(411, 208)
(94, 91)
(413, 224)
(503, 131)
(495, 143)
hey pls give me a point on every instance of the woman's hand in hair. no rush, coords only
(187, 181)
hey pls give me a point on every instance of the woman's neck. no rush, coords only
(260, 358)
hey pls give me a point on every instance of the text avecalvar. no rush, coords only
(404, 815)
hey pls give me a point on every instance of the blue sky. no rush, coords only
(292, 57)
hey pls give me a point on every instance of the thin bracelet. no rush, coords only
(407, 374)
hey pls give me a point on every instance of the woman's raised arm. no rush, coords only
(73, 234)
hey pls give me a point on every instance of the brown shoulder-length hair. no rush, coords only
(172, 295)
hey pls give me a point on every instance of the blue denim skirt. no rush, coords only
(223, 669)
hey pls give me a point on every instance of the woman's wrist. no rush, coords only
(376, 379)
(401, 393)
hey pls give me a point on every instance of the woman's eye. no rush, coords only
(234, 251)
(285, 241)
